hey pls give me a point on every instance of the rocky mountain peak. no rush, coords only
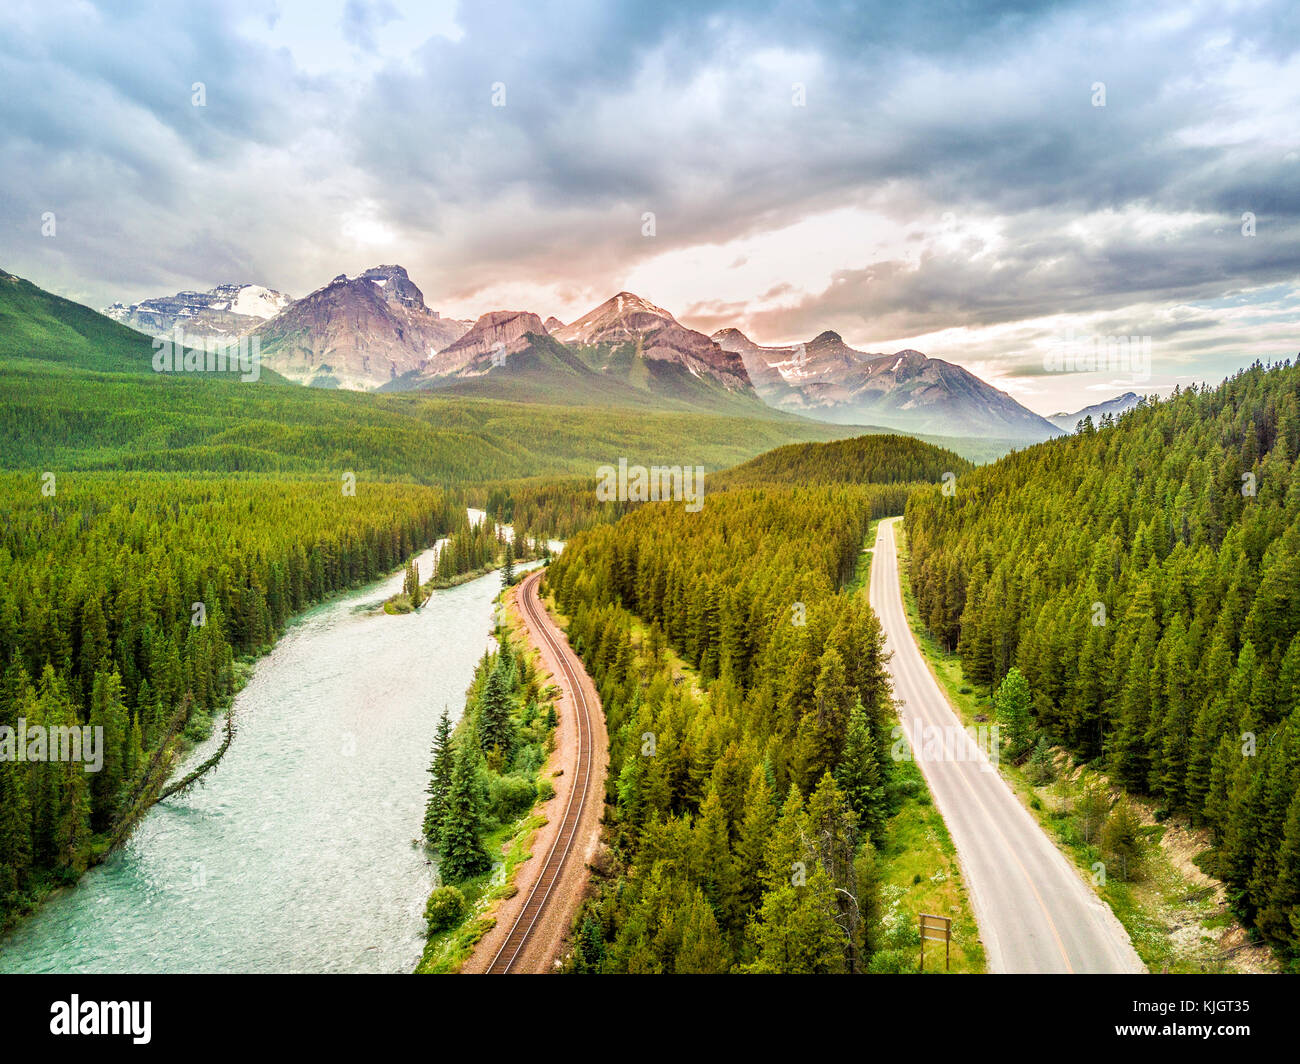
(621, 317)
(491, 340)
(630, 301)
(627, 318)
(227, 311)
(732, 339)
(359, 332)
(395, 285)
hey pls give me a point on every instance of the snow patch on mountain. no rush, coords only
(227, 311)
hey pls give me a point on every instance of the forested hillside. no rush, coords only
(78, 391)
(125, 601)
(557, 508)
(561, 507)
(731, 800)
(52, 419)
(1145, 578)
(874, 459)
(38, 325)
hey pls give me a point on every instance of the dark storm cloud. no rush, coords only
(1041, 273)
(611, 110)
(976, 109)
(99, 125)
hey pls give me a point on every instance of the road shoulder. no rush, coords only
(1176, 918)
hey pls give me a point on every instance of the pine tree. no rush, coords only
(462, 855)
(833, 835)
(703, 950)
(1091, 811)
(414, 592)
(589, 950)
(719, 875)
(108, 715)
(786, 857)
(508, 570)
(824, 726)
(1279, 920)
(796, 933)
(440, 772)
(495, 727)
(15, 831)
(859, 775)
(755, 830)
(72, 822)
(1041, 768)
(1121, 839)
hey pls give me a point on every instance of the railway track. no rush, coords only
(527, 921)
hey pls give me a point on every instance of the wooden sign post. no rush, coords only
(937, 929)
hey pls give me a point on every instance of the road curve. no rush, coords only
(1035, 911)
(528, 940)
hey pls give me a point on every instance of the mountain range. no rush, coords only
(225, 312)
(827, 379)
(625, 352)
(357, 333)
(1119, 405)
(375, 332)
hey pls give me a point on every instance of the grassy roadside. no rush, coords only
(918, 867)
(1177, 917)
(446, 951)
(919, 873)
(862, 572)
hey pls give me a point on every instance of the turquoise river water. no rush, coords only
(298, 854)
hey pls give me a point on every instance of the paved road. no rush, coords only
(1034, 909)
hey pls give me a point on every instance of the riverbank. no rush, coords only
(401, 602)
(1177, 917)
(492, 898)
(549, 938)
(270, 865)
(191, 733)
(198, 727)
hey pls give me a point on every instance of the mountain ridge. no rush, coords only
(356, 333)
(375, 331)
(1115, 406)
(227, 311)
(906, 390)
(493, 338)
(658, 337)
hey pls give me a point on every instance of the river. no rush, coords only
(299, 852)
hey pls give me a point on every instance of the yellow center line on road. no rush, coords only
(1023, 870)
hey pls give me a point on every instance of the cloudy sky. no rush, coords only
(977, 181)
